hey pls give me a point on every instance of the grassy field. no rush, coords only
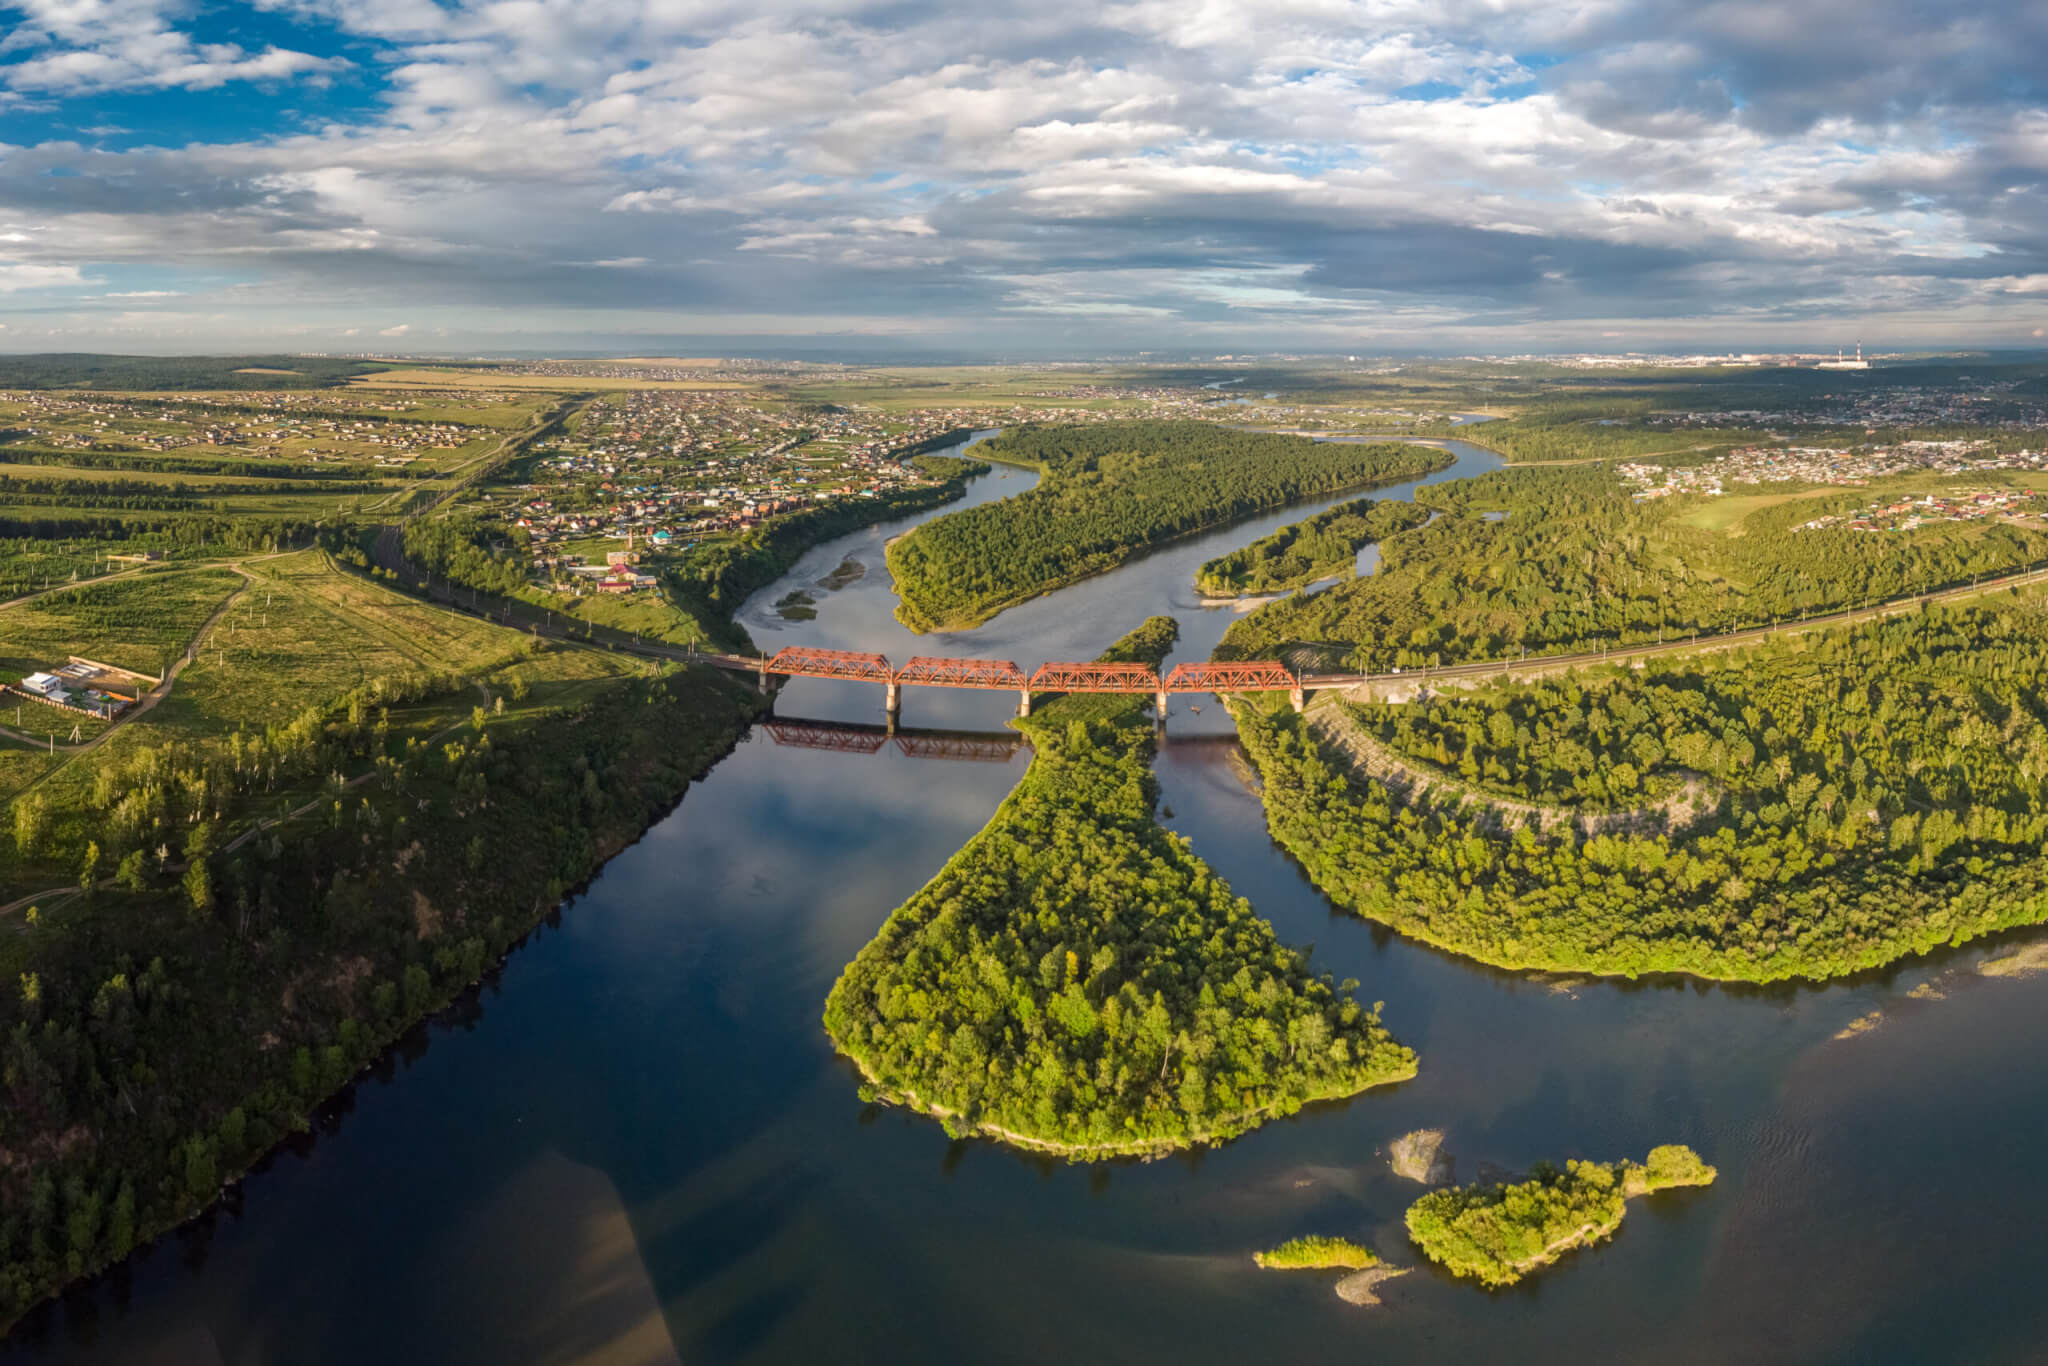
(138, 623)
(1727, 513)
(401, 380)
(302, 633)
(306, 629)
(28, 565)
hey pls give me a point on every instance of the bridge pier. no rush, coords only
(1159, 706)
(1298, 695)
(1024, 702)
(892, 700)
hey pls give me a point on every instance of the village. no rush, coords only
(1823, 465)
(1993, 405)
(1962, 505)
(278, 424)
(661, 470)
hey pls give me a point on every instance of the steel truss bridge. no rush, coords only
(1003, 675)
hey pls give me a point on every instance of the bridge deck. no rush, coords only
(950, 671)
(946, 671)
(1093, 677)
(1252, 675)
(805, 661)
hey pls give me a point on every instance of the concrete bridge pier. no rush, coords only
(1298, 695)
(1023, 701)
(892, 700)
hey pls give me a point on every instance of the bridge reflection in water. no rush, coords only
(989, 747)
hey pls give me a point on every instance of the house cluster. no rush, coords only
(1824, 465)
(261, 425)
(1999, 405)
(1905, 514)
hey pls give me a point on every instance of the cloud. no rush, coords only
(75, 46)
(397, 331)
(1291, 170)
(21, 275)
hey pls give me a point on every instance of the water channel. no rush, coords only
(635, 1144)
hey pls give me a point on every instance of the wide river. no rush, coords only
(635, 1144)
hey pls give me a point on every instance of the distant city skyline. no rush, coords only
(857, 179)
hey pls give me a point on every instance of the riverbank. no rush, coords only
(295, 974)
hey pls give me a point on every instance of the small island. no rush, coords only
(1317, 1253)
(1497, 1234)
(1075, 981)
(1314, 548)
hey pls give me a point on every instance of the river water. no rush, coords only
(635, 1144)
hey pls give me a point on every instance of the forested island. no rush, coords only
(1862, 794)
(1317, 1252)
(1557, 559)
(1109, 490)
(1076, 981)
(1313, 548)
(1497, 1234)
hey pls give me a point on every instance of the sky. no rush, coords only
(767, 177)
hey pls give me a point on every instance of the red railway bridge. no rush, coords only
(944, 671)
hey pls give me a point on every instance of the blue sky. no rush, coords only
(1309, 175)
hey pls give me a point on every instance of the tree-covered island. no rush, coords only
(1109, 491)
(1076, 981)
(1302, 552)
(1497, 1234)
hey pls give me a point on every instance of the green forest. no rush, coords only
(1109, 490)
(164, 1032)
(1872, 792)
(1313, 548)
(1551, 560)
(1497, 1234)
(1076, 980)
(1604, 428)
(84, 370)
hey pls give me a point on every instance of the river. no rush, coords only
(635, 1145)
